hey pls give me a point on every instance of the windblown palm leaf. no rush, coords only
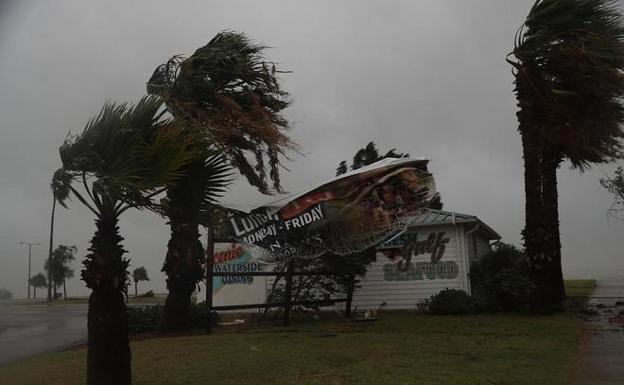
(227, 88)
(205, 180)
(60, 186)
(571, 52)
(129, 152)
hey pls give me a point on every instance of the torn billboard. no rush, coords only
(345, 215)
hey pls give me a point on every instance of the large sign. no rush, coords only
(232, 257)
(346, 215)
(403, 248)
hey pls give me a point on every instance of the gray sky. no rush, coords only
(426, 77)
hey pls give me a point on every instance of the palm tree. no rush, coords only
(60, 193)
(38, 280)
(139, 274)
(58, 267)
(569, 55)
(227, 90)
(123, 158)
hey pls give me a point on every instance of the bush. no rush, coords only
(500, 279)
(148, 318)
(451, 302)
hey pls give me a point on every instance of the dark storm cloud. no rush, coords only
(426, 77)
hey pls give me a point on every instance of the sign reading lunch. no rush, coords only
(346, 215)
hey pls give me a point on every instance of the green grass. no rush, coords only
(400, 348)
(579, 287)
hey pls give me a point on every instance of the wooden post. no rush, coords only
(350, 289)
(209, 277)
(288, 292)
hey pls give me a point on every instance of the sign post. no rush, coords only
(209, 277)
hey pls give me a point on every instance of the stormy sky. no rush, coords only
(426, 77)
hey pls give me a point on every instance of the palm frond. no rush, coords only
(575, 50)
(228, 89)
(128, 151)
(191, 198)
(60, 185)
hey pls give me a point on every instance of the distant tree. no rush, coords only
(615, 185)
(5, 294)
(60, 194)
(139, 274)
(342, 168)
(369, 154)
(59, 268)
(38, 280)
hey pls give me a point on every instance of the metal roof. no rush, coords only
(433, 217)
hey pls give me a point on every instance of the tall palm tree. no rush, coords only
(123, 158)
(229, 92)
(60, 193)
(569, 57)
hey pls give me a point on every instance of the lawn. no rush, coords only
(400, 348)
(579, 287)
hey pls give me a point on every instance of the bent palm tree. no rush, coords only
(60, 193)
(123, 158)
(231, 94)
(569, 58)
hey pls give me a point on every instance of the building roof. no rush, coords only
(433, 217)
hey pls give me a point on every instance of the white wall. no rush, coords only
(406, 290)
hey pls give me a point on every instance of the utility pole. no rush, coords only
(30, 245)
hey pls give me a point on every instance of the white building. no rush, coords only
(451, 240)
(442, 245)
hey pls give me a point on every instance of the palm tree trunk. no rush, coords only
(64, 291)
(529, 115)
(184, 271)
(51, 246)
(136, 290)
(552, 240)
(108, 354)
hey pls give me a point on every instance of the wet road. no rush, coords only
(30, 330)
(601, 360)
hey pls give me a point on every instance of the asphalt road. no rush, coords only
(31, 330)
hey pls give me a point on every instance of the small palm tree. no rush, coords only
(569, 58)
(38, 280)
(123, 158)
(139, 274)
(231, 94)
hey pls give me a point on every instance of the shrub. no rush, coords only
(451, 302)
(148, 318)
(500, 279)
